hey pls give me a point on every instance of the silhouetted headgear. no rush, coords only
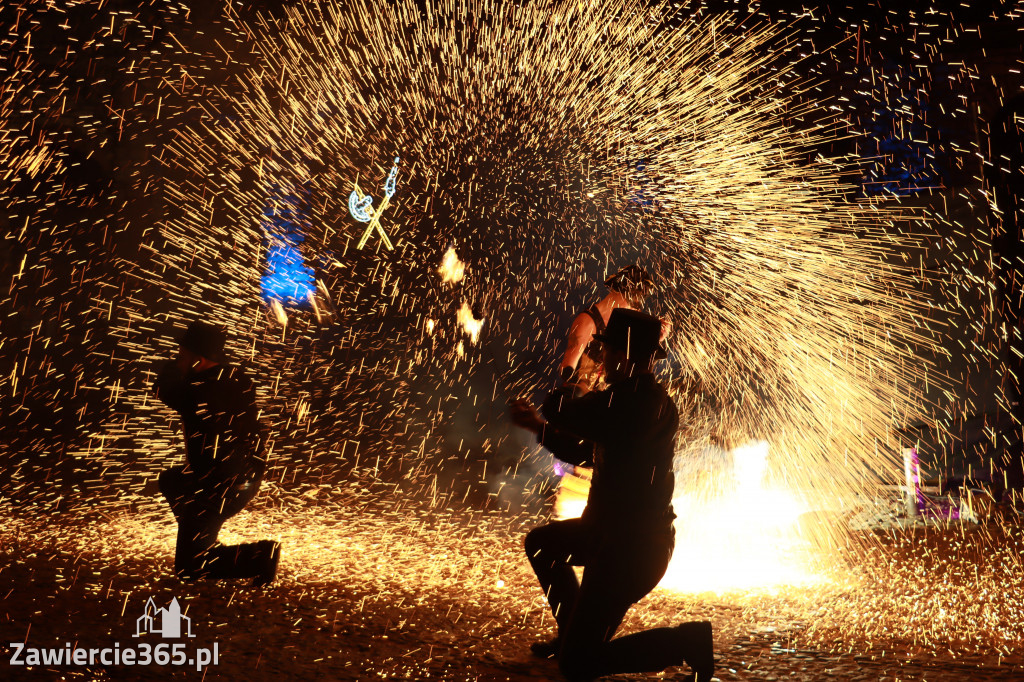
(635, 332)
(205, 339)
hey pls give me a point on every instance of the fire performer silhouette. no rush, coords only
(624, 539)
(224, 454)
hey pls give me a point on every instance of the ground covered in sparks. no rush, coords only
(380, 589)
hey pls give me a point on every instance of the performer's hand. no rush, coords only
(525, 415)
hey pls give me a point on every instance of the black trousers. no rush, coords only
(201, 510)
(617, 573)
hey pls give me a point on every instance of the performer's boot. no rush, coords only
(698, 649)
(270, 552)
(547, 649)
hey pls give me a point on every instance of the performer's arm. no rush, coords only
(580, 334)
(565, 445)
(587, 417)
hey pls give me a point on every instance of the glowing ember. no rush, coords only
(279, 312)
(470, 325)
(452, 269)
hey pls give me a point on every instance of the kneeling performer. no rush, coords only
(625, 537)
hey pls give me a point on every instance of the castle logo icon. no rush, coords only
(165, 622)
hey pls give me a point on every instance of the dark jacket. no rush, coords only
(627, 433)
(224, 439)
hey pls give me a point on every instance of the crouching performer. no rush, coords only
(224, 466)
(625, 537)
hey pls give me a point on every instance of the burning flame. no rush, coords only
(469, 324)
(279, 313)
(452, 269)
(734, 531)
(572, 493)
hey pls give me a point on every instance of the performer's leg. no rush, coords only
(593, 619)
(619, 576)
(553, 550)
(177, 487)
(197, 526)
(246, 560)
(197, 536)
(660, 648)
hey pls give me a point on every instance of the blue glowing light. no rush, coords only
(287, 279)
(900, 149)
(641, 192)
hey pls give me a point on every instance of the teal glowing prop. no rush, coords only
(361, 207)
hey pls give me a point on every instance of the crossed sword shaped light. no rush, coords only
(360, 206)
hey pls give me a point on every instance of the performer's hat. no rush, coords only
(205, 339)
(635, 332)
